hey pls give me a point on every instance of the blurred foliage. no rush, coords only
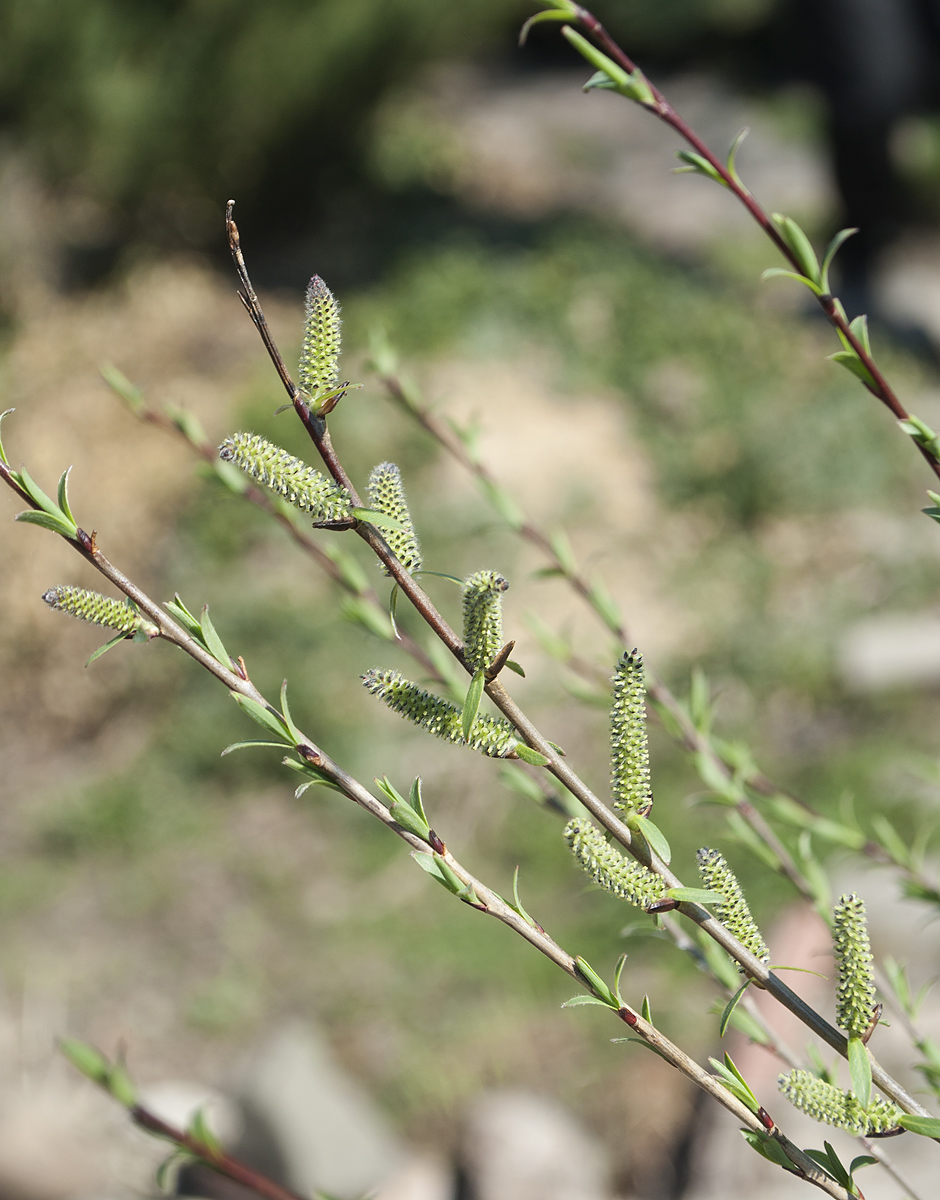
(166, 107)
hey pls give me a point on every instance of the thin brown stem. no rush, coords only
(218, 1160)
(880, 388)
(555, 764)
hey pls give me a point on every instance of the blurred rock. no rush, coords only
(891, 651)
(517, 1146)
(331, 1134)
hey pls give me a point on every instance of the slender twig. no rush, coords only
(690, 737)
(660, 107)
(218, 1160)
(555, 764)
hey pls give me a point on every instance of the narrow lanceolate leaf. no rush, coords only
(925, 1126)
(482, 618)
(855, 994)
(263, 716)
(730, 1007)
(472, 703)
(491, 735)
(290, 477)
(120, 615)
(733, 911)
(653, 836)
(620, 876)
(799, 245)
(629, 750)
(91, 1062)
(833, 1105)
(387, 496)
(860, 1070)
(319, 356)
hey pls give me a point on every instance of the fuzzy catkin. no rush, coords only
(620, 876)
(733, 911)
(299, 484)
(491, 735)
(99, 610)
(831, 1104)
(855, 994)
(318, 370)
(630, 783)
(387, 495)
(483, 618)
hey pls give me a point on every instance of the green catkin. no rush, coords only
(387, 495)
(491, 735)
(855, 994)
(301, 485)
(99, 610)
(733, 911)
(319, 354)
(483, 618)
(629, 750)
(831, 1104)
(620, 876)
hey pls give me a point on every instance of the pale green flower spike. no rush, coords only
(387, 495)
(855, 995)
(629, 750)
(620, 876)
(118, 615)
(319, 355)
(483, 618)
(733, 912)
(290, 477)
(825, 1102)
(492, 735)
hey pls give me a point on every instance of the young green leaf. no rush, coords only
(532, 757)
(925, 1126)
(211, 639)
(263, 716)
(699, 165)
(595, 983)
(580, 1000)
(768, 1147)
(831, 250)
(799, 246)
(471, 705)
(44, 520)
(860, 1070)
(377, 518)
(653, 836)
(91, 1062)
(408, 819)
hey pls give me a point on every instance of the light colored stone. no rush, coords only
(518, 1146)
(332, 1136)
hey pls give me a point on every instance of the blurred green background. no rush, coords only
(745, 501)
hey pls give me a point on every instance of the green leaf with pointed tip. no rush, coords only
(733, 154)
(594, 981)
(415, 800)
(851, 361)
(198, 1128)
(121, 1086)
(580, 1000)
(91, 1062)
(653, 836)
(163, 1179)
(645, 1011)
(132, 396)
(63, 495)
(618, 971)
(377, 518)
(389, 791)
(831, 251)
(609, 74)
(863, 1160)
(37, 495)
(691, 895)
(698, 164)
(176, 608)
(3, 454)
(249, 745)
(783, 273)
(925, 1126)
(262, 716)
(730, 1007)
(109, 645)
(859, 327)
(605, 605)
(428, 862)
(767, 1147)
(471, 705)
(514, 667)
(212, 640)
(285, 712)
(798, 244)
(408, 819)
(46, 520)
(548, 15)
(532, 757)
(517, 903)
